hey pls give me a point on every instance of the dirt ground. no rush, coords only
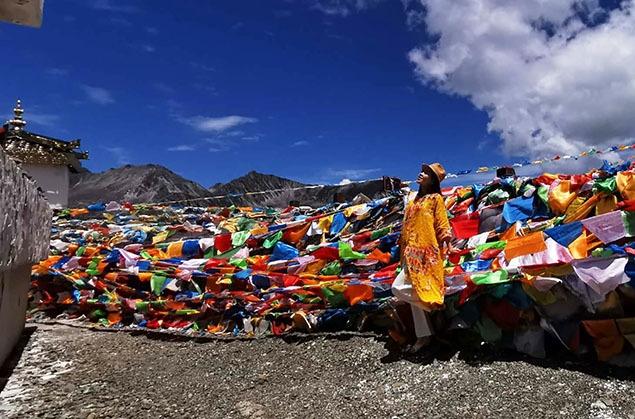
(70, 372)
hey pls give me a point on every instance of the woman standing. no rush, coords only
(425, 232)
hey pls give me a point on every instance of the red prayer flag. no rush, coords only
(465, 226)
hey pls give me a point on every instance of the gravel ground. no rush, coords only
(78, 373)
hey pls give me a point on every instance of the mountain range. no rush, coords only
(156, 183)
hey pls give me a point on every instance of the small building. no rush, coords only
(47, 160)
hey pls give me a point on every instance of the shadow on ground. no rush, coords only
(12, 361)
(487, 354)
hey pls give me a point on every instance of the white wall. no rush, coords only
(25, 230)
(53, 180)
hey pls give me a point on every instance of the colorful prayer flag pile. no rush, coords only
(539, 265)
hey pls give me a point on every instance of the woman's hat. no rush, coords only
(437, 169)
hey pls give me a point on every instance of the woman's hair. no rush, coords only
(434, 186)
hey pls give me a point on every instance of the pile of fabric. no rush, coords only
(540, 265)
(222, 270)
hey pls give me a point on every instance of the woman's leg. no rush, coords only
(423, 327)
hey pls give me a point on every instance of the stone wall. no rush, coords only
(25, 226)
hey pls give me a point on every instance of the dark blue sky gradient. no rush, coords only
(340, 88)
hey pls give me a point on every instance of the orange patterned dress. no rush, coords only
(425, 226)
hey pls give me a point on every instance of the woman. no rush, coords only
(425, 232)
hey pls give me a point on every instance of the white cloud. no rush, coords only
(152, 30)
(351, 174)
(345, 182)
(414, 18)
(98, 95)
(112, 6)
(300, 143)
(182, 147)
(43, 119)
(56, 71)
(553, 76)
(196, 65)
(216, 124)
(343, 8)
(147, 48)
(119, 154)
(253, 138)
(235, 133)
(218, 144)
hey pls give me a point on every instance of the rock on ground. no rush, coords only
(78, 373)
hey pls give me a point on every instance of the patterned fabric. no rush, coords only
(425, 226)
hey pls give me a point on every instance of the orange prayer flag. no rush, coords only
(315, 267)
(114, 318)
(357, 293)
(295, 234)
(607, 339)
(145, 276)
(524, 245)
(111, 276)
(510, 233)
(578, 247)
(175, 249)
(377, 254)
(592, 241)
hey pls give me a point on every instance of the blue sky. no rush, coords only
(213, 89)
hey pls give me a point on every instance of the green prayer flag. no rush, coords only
(601, 252)
(185, 312)
(606, 185)
(346, 252)
(485, 278)
(245, 223)
(497, 195)
(629, 222)
(272, 240)
(334, 298)
(488, 330)
(97, 314)
(332, 268)
(543, 194)
(228, 254)
(493, 245)
(379, 233)
(240, 237)
(80, 250)
(239, 263)
(158, 304)
(156, 284)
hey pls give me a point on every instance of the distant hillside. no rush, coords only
(147, 183)
(154, 183)
(317, 196)
(255, 182)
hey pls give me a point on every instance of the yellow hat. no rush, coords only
(437, 169)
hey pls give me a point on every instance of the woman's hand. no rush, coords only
(446, 245)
